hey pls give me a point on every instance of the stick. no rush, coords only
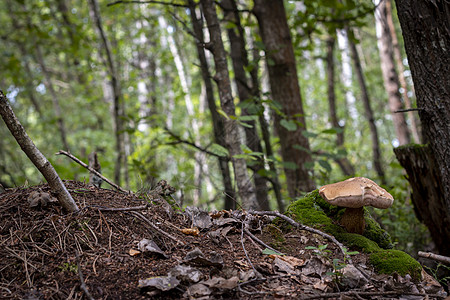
(261, 242)
(143, 207)
(304, 227)
(83, 284)
(440, 258)
(61, 152)
(160, 231)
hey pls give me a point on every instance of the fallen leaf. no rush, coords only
(133, 252)
(191, 231)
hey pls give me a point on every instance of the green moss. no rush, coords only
(390, 261)
(374, 232)
(353, 240)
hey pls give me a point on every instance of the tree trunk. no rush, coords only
(232, 136)
(286, 91)
(36, 157)
(390, 75)
(427, 192)
(265, 130)
(218, 124)
(240, 61)
(426, 32)
(401, 76)
(109, 63)
(376, 153)
(345, 165)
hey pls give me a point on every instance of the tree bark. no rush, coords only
(217, 122)
(343, 162)
(426, 32)
(427, 192)
(239, 59)
(285, 90)
(36, 157)
(376, 153)
(401, 76)
(232, 136)
(390, 75)
(114, 82)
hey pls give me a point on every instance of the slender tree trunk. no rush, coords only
(285, 89)
(345, 165)
(232, 136)
(55, 101)
(109, 63)
(36, 157)
(401, 76)
(376, 153)
(390, 75)
(218, 124)
(426, 32)
(240, 61)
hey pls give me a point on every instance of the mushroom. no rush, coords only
(354, 194)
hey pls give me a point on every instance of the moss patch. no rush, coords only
(390, 261)
(314, 211)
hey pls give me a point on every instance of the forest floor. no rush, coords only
(151, 251)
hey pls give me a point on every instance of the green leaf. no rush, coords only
(224, 114)
(325, 164)
(219, 150)
(288, 124)
(309, 134)
(268, 251)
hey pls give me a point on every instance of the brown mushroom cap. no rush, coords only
(356, 192)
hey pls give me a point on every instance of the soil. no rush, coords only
(49, 254)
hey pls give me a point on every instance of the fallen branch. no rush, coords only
(61, 152)
(304, 227)
(356, 293)
(160, 231)
(143, 207)
(440, 258)
(261, 242)
(83, 284)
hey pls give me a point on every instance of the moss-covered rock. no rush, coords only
(390, 261)
(313, 210)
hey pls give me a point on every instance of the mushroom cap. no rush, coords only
(356, 192)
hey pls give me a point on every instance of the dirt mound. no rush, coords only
(128, 246)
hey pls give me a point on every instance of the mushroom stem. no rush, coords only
(353, 220)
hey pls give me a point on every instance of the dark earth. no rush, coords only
(94, 254)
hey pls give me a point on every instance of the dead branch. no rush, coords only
(440, 258)
(160, 231)
(146, 2)
(354, 293)
(143, 207)
(83, 284)
(245, 250)
(261, 242)
(304, 227)
(91, 170)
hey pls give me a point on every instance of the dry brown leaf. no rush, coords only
(133, 252)
(191, 231)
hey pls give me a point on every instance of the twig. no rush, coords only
(146, 2)
(61, 152)
(352, 293)
(160, 231)
(440, 258)
(83, 284)
(180, 140)
(406, 110)
(261, 242)
(245, 250)
(143, 207)
(304, 227)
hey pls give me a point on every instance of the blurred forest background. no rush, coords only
(136, 83)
